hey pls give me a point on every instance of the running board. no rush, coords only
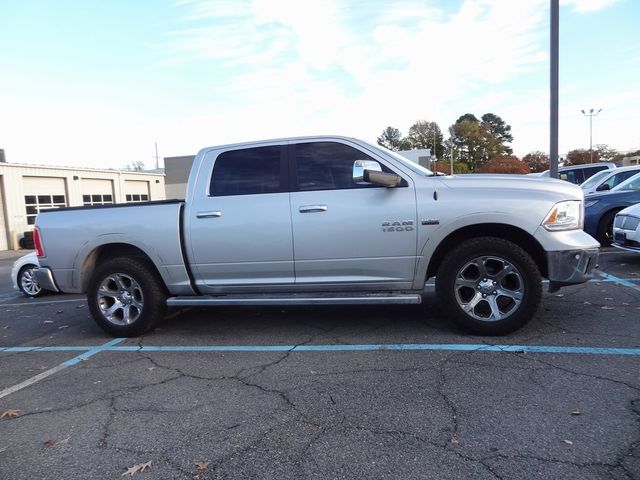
(295, 299)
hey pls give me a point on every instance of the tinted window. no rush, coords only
(247, 171)
(617, 179)
(573, 176)
(327, 166)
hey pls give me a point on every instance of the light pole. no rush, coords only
(591, 115)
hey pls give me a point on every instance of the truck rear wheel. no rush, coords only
(126, 297)
(489, 286)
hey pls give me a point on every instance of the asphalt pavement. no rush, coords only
(332, 392)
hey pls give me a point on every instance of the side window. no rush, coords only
(591, 171)
(573, 176)
(327, 166)
(620, 177)
(247, 171)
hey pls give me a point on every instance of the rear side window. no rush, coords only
(573, 176)
(246, 172)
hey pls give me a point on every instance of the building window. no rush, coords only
(35, 204)
(97, 199)
(137, 197)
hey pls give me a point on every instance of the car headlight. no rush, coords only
(590, 203)
(567, 215)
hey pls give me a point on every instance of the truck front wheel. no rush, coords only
(489, 286)
(126, 297)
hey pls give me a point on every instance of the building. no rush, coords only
(27, 189)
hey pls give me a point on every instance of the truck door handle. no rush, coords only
(312, 208)
(212, 214)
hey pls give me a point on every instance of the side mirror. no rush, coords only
(359, 166)
(369, 171)
(604, 187)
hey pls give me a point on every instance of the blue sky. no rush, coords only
(89, 83)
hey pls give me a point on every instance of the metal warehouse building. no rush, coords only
(27, 189)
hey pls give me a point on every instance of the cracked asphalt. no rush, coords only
(326, 414)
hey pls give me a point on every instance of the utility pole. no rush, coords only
(157, 163)
(553, 87)
(591, 115)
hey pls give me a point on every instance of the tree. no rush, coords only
(605, 152)
(423, 134)
(391, 138)
(580, 156)
(478, 141)
(505, 164)
(536, 161)
(135, 166)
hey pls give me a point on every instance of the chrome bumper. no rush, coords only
(45, 279)
(569, 267)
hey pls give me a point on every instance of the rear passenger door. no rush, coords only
(348, 234)
(240, 222)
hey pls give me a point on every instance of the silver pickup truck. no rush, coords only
(322, 220)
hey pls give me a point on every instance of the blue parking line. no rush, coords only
(625, 282)
(113, 347)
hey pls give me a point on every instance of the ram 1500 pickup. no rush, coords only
(322, 220)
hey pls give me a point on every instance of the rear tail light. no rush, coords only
(37, 242)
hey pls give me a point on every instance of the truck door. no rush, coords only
(345, 233)
(239, 221)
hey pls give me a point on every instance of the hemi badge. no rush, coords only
(430, 222)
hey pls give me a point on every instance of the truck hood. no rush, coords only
(521, 183)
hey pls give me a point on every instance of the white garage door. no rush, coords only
(3, 228)
(41, 193)
(96, 191)
(136, 190)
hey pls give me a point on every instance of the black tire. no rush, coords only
(27, 282)
(126, 297)
(605, 228)
(474, 273)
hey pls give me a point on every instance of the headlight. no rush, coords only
(567, 215)
(590, 203)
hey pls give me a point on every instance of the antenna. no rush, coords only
(157, 164)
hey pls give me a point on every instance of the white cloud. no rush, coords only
(588, 6)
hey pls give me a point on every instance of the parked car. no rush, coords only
(322, 220)
(23, 275)
(602, 207)
(608, 179)
(579, 173)
(626, 229)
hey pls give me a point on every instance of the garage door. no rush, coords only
(3, 224)
(96, 191)
(136, 191)
(42, 193)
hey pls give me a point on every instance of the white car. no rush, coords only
(608, 179)
(626, 229)
(23, 275)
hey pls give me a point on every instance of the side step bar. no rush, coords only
(295, 299)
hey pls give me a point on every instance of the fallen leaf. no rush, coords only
(606, 307)
(49, 443)
(202, 465)
(454, 440)
(10, 413)
(608, 298)
(140, 467)
(625, 304)
(3, 449)
(586, 303)
(576, 412)
(568, 442)
(48, 321)
(63, 326)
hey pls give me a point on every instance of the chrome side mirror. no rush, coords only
(359, 166)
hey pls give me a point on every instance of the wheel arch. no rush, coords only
(508, 232)
(108, 251)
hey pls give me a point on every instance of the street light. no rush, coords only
(591, 115)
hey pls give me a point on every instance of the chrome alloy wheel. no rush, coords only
(28, 282)
(120, 299)
(489, 288)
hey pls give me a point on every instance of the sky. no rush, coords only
(91, 83)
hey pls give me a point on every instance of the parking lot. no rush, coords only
(331, 392)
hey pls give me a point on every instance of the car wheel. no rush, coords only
(126, 297)
(605, 228)
(489, 286)
(27, 282)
